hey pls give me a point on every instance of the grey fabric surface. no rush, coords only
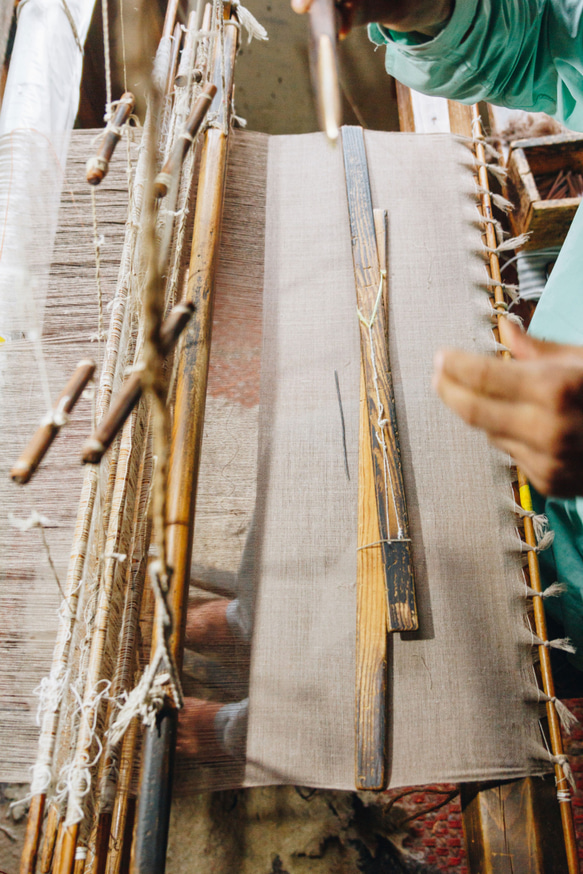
(458, 688)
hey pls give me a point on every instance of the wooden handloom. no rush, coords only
(149, 844)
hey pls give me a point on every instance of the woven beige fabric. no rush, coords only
(458, 688)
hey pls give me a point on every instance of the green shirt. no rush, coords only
(523, 54)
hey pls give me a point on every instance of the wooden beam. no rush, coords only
(513, 828)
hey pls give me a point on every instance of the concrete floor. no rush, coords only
(273, 85)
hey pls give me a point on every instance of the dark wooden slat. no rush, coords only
(402, 608)
(513, 827)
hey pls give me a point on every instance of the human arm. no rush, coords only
(530, 407)
(399, 15)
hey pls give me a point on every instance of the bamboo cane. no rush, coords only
(41, 442)
(149, 848)
(172, 166)
(563, 793)
(131, 391)
(98, 165)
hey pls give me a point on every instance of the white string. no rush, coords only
(381, 421)
(106, 54)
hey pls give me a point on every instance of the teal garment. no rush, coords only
(523, 54)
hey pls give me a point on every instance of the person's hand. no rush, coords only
(530, 407)
(402, 15)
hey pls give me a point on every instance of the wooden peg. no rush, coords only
(131, 392)
(98, 166)
(185, 140)
(48, 429)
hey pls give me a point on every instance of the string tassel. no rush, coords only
(567, 718)
(497, 199)
(555, 590)
(562, 643)
(563, 763)
(249, 22)
(499, 173)
(544, 543)
(509, 245)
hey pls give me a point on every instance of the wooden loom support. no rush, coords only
(151, 833)
(510, 827)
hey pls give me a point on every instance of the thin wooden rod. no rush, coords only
(151, 834)
(98, 166)
(171, 168)
(42, 441)
(130, 393)
(50, 837)
(170, 18)
(529, 535)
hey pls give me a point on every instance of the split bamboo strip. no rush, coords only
(526, 502)
(149, 848)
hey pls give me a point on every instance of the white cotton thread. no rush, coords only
(385, 540)
(555, 590)
(148, 697)
(254, 29)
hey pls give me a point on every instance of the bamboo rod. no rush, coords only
(171, 168)
(151, 834)
(41, 442)
(50, 837)
(98, 165)
(563, 792)
(184, 74)
(130, 393)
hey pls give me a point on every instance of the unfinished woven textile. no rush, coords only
(277, 498)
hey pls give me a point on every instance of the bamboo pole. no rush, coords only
(151, 834)
(43, 439)
(563, 793)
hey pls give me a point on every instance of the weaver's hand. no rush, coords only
(530, 407)
(403, 15)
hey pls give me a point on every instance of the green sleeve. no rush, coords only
(524, 54)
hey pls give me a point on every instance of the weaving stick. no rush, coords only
(40, 444)
(499, 305)
(131, 391)
(384, 435)
(185, 72)
(98, 165)
(151, 834)
(324, 66)
(184, 141)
